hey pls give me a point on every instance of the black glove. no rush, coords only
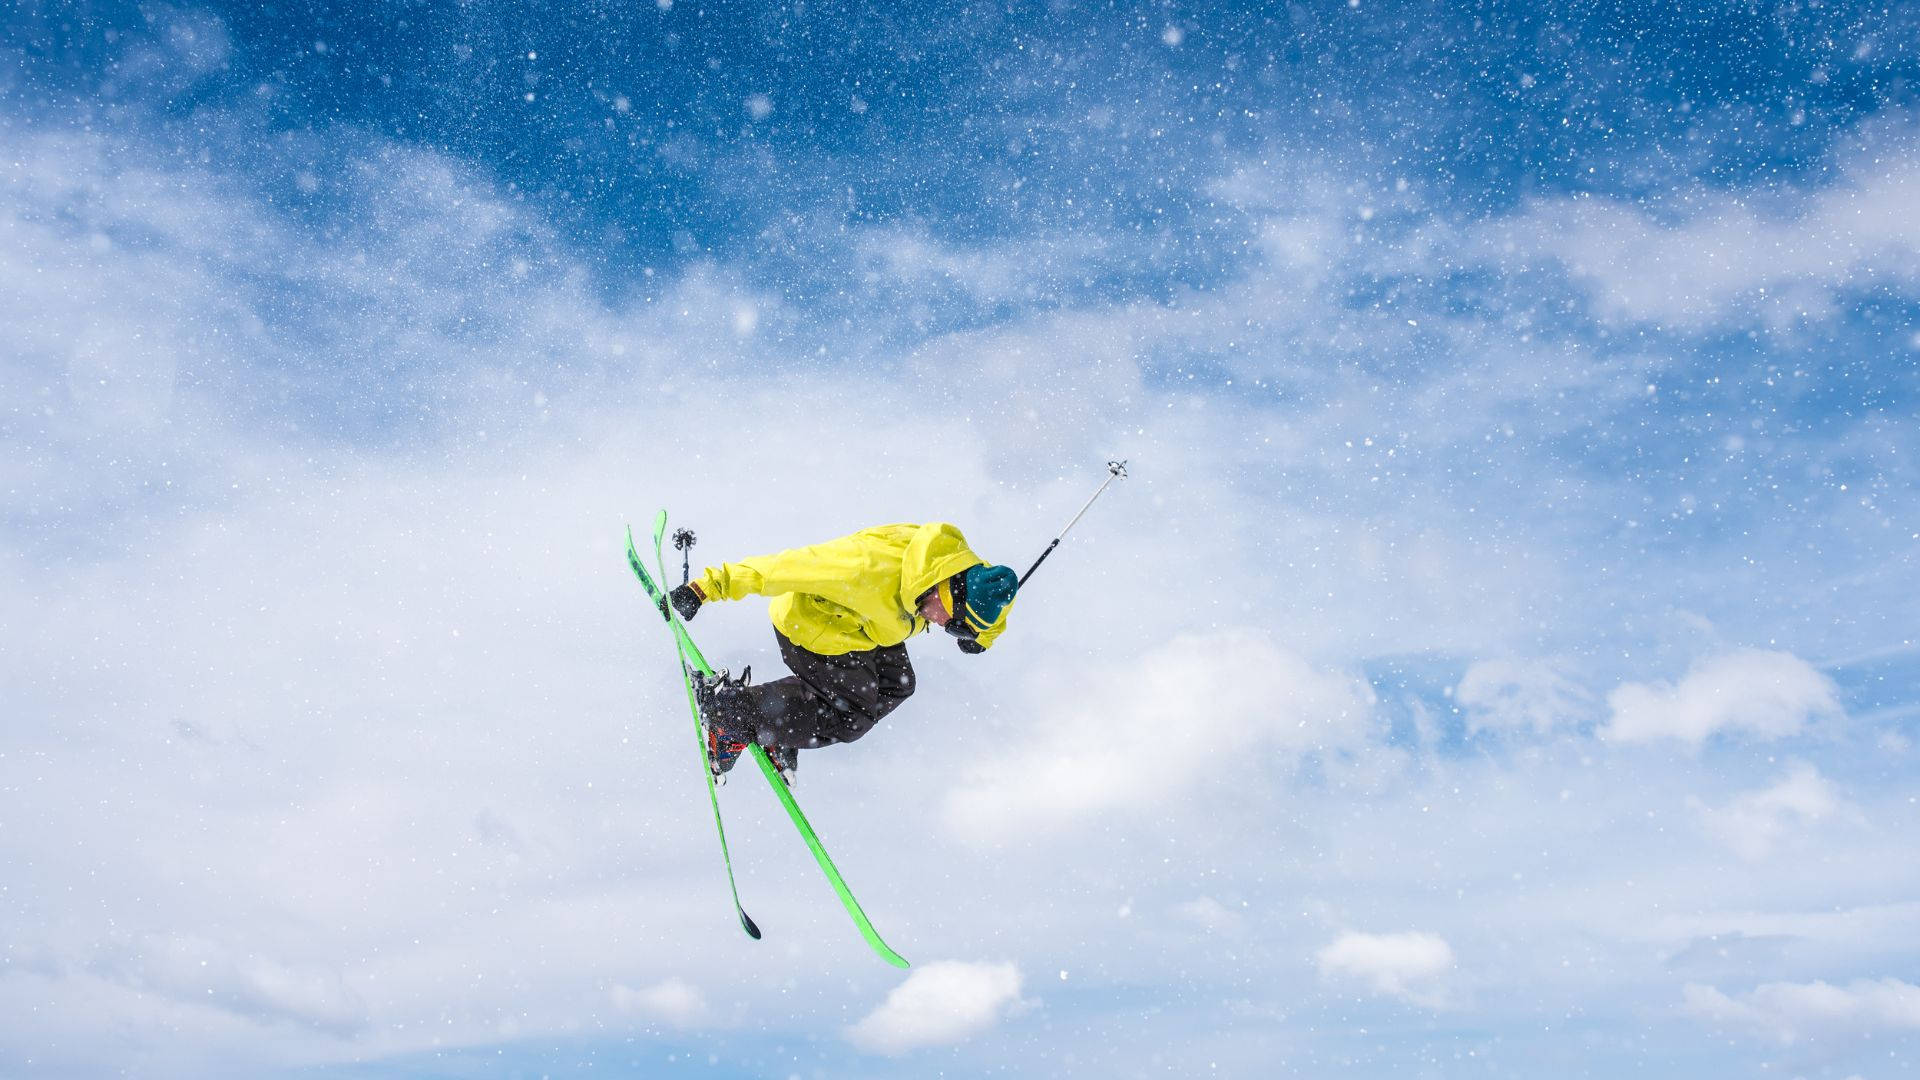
(686, 601)
(971, 647)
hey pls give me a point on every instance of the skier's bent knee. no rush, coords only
(898, 686)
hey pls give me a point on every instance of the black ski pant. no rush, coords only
(828, 699)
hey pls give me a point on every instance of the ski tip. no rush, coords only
(747, 924)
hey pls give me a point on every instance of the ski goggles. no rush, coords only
(953, 596)
(967, 622)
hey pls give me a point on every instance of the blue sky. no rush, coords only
(1501, 657)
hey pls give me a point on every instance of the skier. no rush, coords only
(842, 612)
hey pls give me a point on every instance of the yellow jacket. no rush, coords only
(852, 594)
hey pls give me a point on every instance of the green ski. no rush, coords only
(658, 596)
(690, 656)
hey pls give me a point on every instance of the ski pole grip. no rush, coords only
(684, 540)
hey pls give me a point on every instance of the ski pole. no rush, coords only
(1115, 471)
(683, 539)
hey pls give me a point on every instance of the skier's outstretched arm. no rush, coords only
(829, 570)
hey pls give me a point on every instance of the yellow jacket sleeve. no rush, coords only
(833, 571)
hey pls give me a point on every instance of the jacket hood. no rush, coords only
(937, 552)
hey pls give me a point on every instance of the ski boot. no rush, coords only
(786, 759)
(719, 700)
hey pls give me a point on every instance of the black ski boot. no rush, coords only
(786, 759)
(723, 710)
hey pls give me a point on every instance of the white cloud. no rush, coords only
(1790, 1011)
(938, 1004)
(1510, 695)
(909, 258)
(200, 971)
(1143, 733)
(1724, 254)
(1769, 695)
(675, 1001)
(1753, 824)
(1406, 965)
(1209, 914)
